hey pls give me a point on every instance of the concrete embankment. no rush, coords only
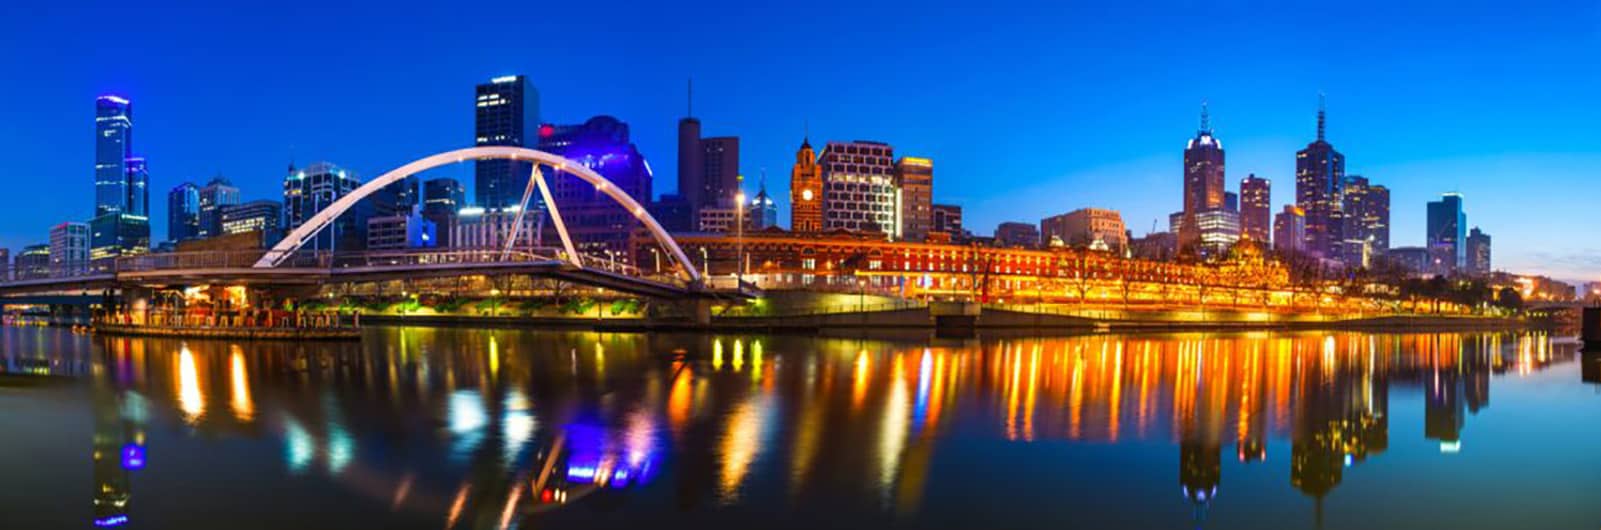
(987, 318)
(290, 334)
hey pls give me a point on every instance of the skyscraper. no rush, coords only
(691, 164)
(1478, 252)
(1203, 180)
(859, 187)
(806, 191)
(219, 193)
(1256, 208)
(308, 191)
(183, 212)
(1365, 211)
(263, 216)
(915, 179)
(122, 200)
(1319, 192)
(503, 110)
(113, 148)
(1447, 234)
(443, 199)
(1289, 229)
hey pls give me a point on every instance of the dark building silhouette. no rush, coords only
(1447, 234)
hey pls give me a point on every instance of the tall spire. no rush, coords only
(1320, 112)
(1206, 119)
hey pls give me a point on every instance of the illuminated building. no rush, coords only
(859, 192)
(1319, 192)
(1366, 216)
(1218, 230)
(113, 148)
(308, 191)
(597, 223)
(263, 216)
(69, 249)
(117, 234)
(1289, 229)
(5, 264)
(806, 192)
(183, 212)
(915, 178)
(763, 211)
(1017, 235)
(477, 228)
(720, 220)
(33, 262)
(1203, 181)
(504, 108)
(1478, 252)
(1376, 218)
(1087, 227)
(216, 195)
(1200, 470)
(947, 221)
(1447, 233)
(1256, 208)
(852, 262)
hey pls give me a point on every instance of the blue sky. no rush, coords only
(1028, 110)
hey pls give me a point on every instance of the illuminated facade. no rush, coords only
(859, 188)
(1203, 181)
(33, 262)
(1218, 229)
(597, 223)
(1256, 208)
(1319, 192)
(1087, 227)
(401, 231)
(503, 110)
(113, 148)
(763, 211)
(477, 228)
(261, 216)
(806, 192)
(915, 178)
(1366, 215)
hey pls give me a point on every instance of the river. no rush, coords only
(463, 428)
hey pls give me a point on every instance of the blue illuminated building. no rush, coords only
(183, 212)
(598, 223)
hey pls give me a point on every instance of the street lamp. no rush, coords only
(657, 257)
(705, 263)
(739, 239)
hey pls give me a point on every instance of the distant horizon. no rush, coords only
(1092, 118)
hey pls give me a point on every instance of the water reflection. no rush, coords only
(485, 429)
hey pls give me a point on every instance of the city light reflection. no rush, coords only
(191, 398)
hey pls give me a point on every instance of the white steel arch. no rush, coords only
(293, 241)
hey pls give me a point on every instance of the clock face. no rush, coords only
(806, 195)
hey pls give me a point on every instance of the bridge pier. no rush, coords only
(703, 312)
(1590, 329)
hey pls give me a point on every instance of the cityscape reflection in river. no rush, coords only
(431, 428)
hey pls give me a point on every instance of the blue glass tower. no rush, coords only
(113, 147)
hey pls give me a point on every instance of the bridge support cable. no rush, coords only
(522, 213)
(555, 216)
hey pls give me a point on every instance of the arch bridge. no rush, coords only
(289, 263)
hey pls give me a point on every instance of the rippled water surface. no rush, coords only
(447, 428)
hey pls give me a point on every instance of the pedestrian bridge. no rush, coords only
(287, 263)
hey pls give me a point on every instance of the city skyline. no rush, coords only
(1055, 166)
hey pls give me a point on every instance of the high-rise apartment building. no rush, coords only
(859, 192)
(1256, 208)
(806, 191)
(915, 179)
(708, 168)
(1365, 211)
(503, 110)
